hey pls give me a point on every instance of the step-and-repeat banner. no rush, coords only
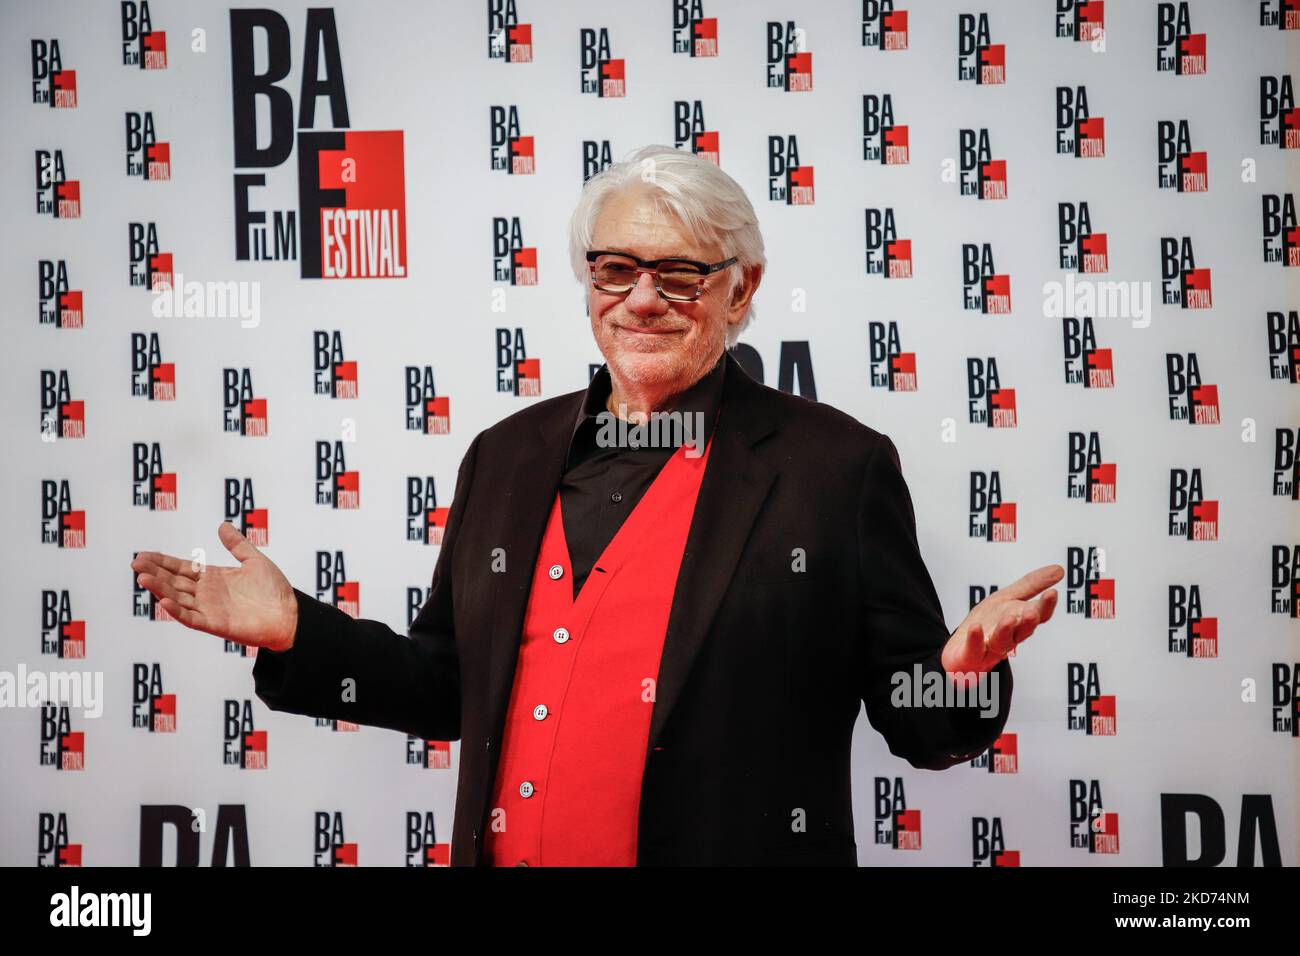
(279, 264)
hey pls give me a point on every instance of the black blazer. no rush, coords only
(764, 667)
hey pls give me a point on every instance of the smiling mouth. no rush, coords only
(636, 331)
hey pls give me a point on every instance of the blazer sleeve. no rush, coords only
(411, 684)
(903, 626)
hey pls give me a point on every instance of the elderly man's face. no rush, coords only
(649, 341)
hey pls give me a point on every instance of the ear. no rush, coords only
(744, 290)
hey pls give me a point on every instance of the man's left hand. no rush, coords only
(1001, 621)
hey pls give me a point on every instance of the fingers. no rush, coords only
(187, 616)
(153, 561)
(1032, 583)
(966, 654)
(236, 543)
(1003, 636)
(166, 588)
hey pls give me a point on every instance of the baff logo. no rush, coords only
(1092, 827)
(1191, 633)
(1088, 478)
(788, 180)
(598, 72)
(1087, 708)
(53, 845)
(508, 40)
(329, 848)
(426, 411)
(988, 402)
(1080, 248)
(52, 85)
(897, 825)
(151, 709)
(333, 586)
(151, 486)
(694, 33)
(1178, 49)
(511, 152)
(425, 521)
(242, 413)
(351, 185)
(145, 156)
(988, 845)
(991, 518)
(516, 372)
(1281, 236)
(983, 290)
(142, 45)
(58, 304)
(1178, 165)
(1191, 516)
(151, 377)
(1081, 20)
(691, 133)
(883, 26)
(1286, 699)
(1086, 591)
(56, 194)
(889, 366)
(887, 255)
(1190, 399)
(1002, 757)
(1085, 363)
(979, 174)
(422, 846)
(335, 485)
(62, 635)
(1078, 132)
(150, 267)
(333, 374)
(1181, 282)
(1286, 463)
(978, 59)
(512, 261)
(1285, 583)
(61, 747)
(597, 155)
(61, 415)
(789, 61)
(884, 140)
(61, 524)
(239, 507)
(429, 754)
(1283, 14)
(243, 745)
(1279, 120)
(1283, 330)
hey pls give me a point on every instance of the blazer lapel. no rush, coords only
(529, 494)
(735, 485)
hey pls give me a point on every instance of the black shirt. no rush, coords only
(602, 483)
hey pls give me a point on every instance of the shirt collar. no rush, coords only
(704, 397)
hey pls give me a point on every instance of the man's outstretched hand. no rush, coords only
(252, 604)
(1001, 621)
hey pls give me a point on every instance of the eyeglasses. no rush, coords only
(681, 280)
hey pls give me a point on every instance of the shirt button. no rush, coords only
(526, 789)
(540, 712)
(556, 572)
(560, 634)
(616, 497)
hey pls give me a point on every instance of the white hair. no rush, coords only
(710, 205)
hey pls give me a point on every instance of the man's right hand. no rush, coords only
(252, 604)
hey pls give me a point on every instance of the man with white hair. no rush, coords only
(652, 653)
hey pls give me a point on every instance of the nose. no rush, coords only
(644, 299)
